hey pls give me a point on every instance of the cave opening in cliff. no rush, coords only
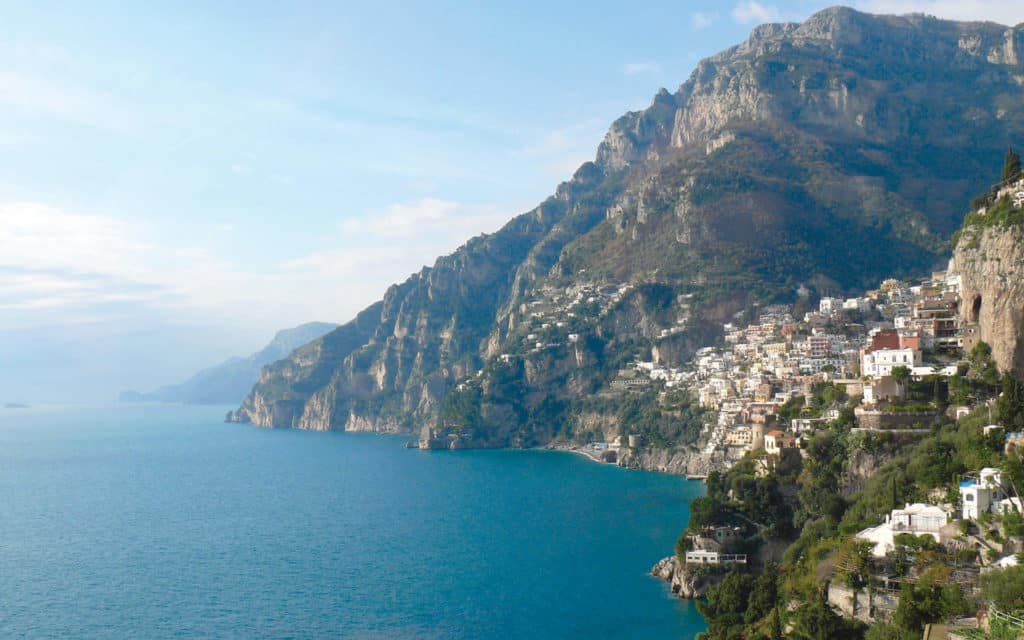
(976, 309)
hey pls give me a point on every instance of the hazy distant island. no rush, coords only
(15, 405)
(229, 381)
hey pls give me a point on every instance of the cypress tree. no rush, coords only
(774, 625)
(1011, 166)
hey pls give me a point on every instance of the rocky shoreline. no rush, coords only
(690, 463)
(681, 581)
(693, 464)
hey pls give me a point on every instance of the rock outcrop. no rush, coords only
(686, 462)
(990, 262)
(682, 582)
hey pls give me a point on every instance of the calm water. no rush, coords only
(161, 522)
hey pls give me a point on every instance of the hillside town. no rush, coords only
(868, 346)
(777, 380)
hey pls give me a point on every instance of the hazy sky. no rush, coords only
(178, 182)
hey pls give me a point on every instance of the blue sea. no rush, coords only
(163, 522)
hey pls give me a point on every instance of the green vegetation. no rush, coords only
(928, 600)
(741, 606)
(823, 516)
(1011, 167)
(848, 482)
(999, 212)
(662, 419)
(1005, 588)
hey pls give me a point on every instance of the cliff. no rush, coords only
(827, 154)
(990, 262)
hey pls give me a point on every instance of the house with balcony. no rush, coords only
(916, 519)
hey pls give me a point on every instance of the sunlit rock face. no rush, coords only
(838, 151)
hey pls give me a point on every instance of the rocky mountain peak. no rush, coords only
(838, 151)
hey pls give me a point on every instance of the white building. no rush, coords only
(978, 496)
(862, 305)
(881, 362)
(700, 556)
(1007, 505)
(883, 388)
(739, 437)
(916, 519)
(775, 441)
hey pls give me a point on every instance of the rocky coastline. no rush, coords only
(693, 464)
(682, 582)
(683, 462)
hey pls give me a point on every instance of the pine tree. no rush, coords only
(1011, 166)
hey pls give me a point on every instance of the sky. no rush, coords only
(178, 181)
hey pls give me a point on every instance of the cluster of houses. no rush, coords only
(559, 315)
(865, 345)
(1014, 191)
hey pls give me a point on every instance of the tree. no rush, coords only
(774, 625)
(764, 596)
(854, 560)
(1010, 404)
(982, 366)
(725, 605)
(816, 621)
(704, 512)
(913, 611)
(952, 602)
(1011, 166)
(791, 408)
(1005, 588)
(683, 544)
(959, 389)
(901, 375)
(939, 392)
(819, 493)
(928, 602)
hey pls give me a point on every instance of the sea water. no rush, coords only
(163, 522)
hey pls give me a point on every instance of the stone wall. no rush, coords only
(882, 420)
(865, 605)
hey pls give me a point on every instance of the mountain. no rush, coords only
(230, 380)
(816, 157)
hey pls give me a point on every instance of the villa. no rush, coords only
(916, 519)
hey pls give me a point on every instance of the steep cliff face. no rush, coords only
(830, 151)
(990, 262)
(394, 362)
